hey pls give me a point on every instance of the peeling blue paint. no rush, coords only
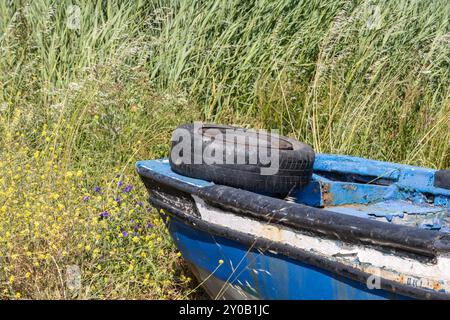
(410, 192)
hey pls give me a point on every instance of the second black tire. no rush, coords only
(295, 160)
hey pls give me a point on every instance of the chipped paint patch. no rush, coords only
(403, 212)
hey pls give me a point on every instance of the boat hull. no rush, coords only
(247, 273)
(241, 244)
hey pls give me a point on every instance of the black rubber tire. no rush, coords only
(296, 161)
(442, 179)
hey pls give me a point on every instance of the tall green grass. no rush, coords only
(368, 78)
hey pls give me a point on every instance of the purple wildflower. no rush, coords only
(97, 189)
(127, 188)
(149, 225)
(104, 215)
(140, 203)
(86, 198)
(118, 200)
(125, 234)
(120, 183)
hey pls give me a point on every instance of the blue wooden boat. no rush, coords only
(361, 229)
